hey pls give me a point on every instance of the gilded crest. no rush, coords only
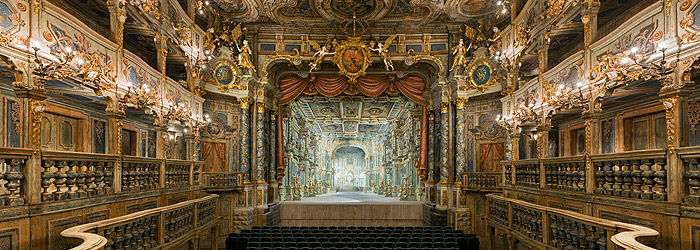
(352, 58)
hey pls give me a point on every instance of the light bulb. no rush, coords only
(68, 49)
(634, 49)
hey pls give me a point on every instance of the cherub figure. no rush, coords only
(460, 53)
(244, 56)
(321, 51)
(382, 49)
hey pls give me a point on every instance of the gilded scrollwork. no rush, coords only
(15, 116)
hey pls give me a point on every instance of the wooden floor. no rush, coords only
(351, 209)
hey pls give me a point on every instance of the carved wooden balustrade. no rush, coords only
(177, 173)
(140, 173)
(222, 181)
(691, 176)
(527, 173)
(482, 181)
(507, 171)
(70, 175)
(12, 168)
(638, 174)
(550, 228)
(565, 173)
(163, 228)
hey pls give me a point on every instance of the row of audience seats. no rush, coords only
(350, 238)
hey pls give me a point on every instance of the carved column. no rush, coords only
(244, 159)
(461, 132)
(430, 184)
(115, 120)
(443, 186)
(260, 159)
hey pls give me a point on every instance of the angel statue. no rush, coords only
(382, 49)
(321, 51)
(244, 53)
(460, 53)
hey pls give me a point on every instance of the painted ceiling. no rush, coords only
(350, 116)
(408, 12)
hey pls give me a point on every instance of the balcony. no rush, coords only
(543, 227)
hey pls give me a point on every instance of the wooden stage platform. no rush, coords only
(351, 209)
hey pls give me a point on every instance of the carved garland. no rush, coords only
(15, 116)
(589, 132)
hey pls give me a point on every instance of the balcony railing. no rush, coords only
(527, 173)
(636, 174)
(565, 173)
(551, 228)
(161, 228)
(222, 181)
(482, 181)
(140, 173)
(12, 168)
(691, 164)
(71, 175)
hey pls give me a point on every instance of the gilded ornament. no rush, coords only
(481, 75)
(444, 106)
(245, 102)
(321, 52)
(36, 109)
(226, 75)
(120, 127)
(261, 107)
(670, 105)
(460, 54)
(21, 6)
(199, 91)
(461, 102)
(352, 57)
(244, 54)
(382, 49)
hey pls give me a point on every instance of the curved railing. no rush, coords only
(158, 227)
(552, 228)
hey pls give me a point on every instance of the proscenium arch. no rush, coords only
(350, 144)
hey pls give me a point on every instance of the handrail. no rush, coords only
(89, 233)
(71, 155)
(551, 222)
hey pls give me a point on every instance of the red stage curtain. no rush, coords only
(411, 86)
(279, 145)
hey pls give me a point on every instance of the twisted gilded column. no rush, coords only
(460, 155)
(244, 158)
(431, 145)
(260, 143)
(444, 142)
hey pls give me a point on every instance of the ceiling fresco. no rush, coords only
(351, 116)
(409, 12)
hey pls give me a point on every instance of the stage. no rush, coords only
(351, 209)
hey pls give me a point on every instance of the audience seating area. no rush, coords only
(347, 238)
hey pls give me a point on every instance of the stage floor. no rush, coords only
(348, 198)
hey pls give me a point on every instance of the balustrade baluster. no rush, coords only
(626, 179)
(636, 180)
(47, 179)
(660, 178)
(60, 180)
(13, 175)
(693, 177)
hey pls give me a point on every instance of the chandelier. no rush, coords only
(67, 63)
(629, 66)
(142, 97)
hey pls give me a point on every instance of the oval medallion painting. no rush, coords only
(353, 60)
(224, 75)
(481, 75)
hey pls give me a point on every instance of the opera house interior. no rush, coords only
(349, 124)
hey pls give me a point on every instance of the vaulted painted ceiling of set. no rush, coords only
(351, 116)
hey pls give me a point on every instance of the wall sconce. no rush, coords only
(70, 63)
